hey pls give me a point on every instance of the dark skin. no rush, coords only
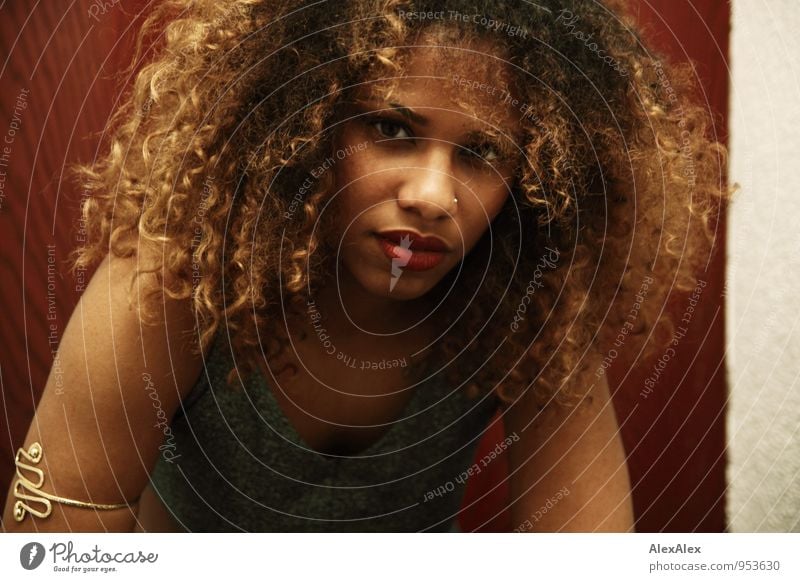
(335, 404)
(421, 156)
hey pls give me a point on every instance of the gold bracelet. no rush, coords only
(24, 486)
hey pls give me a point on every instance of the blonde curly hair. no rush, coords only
(620, 183)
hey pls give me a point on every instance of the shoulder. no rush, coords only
(593, 397)
(135, 324)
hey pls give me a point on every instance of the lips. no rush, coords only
(418, 242)
(411, 251)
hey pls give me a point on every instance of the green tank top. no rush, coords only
(237, 464)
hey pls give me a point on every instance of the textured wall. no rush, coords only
(764, 269)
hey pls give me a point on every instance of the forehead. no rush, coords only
(466, 81)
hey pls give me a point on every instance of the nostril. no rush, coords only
(427, 207)
(429, 192)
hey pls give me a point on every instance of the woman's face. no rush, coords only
(421, 172)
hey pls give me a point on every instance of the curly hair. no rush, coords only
(620, 182)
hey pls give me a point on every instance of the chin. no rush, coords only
(407, 290)
(407, 287)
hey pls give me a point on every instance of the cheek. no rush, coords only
(480, 216)
(357, 192)
(353, 173)
(360, 181)
(356, 161)
(499, 201)
(486, 209)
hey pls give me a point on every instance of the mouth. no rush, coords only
(418, 241)
(411, 251)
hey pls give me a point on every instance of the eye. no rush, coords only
(390, 129)
(483, 152)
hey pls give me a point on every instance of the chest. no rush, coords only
(340, 405)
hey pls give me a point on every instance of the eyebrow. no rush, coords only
(409, 113)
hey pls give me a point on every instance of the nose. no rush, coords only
(429, 187)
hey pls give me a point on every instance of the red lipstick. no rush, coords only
(412, 251)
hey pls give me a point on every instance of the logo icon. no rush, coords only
(400, 261)
(31, 555)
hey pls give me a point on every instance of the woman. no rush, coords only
(337, 237)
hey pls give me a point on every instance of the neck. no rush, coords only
(354, 315)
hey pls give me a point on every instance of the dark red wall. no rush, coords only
(676, 436)
(65, 58)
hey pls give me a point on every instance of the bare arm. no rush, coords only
(98, 421)
(568, 470)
